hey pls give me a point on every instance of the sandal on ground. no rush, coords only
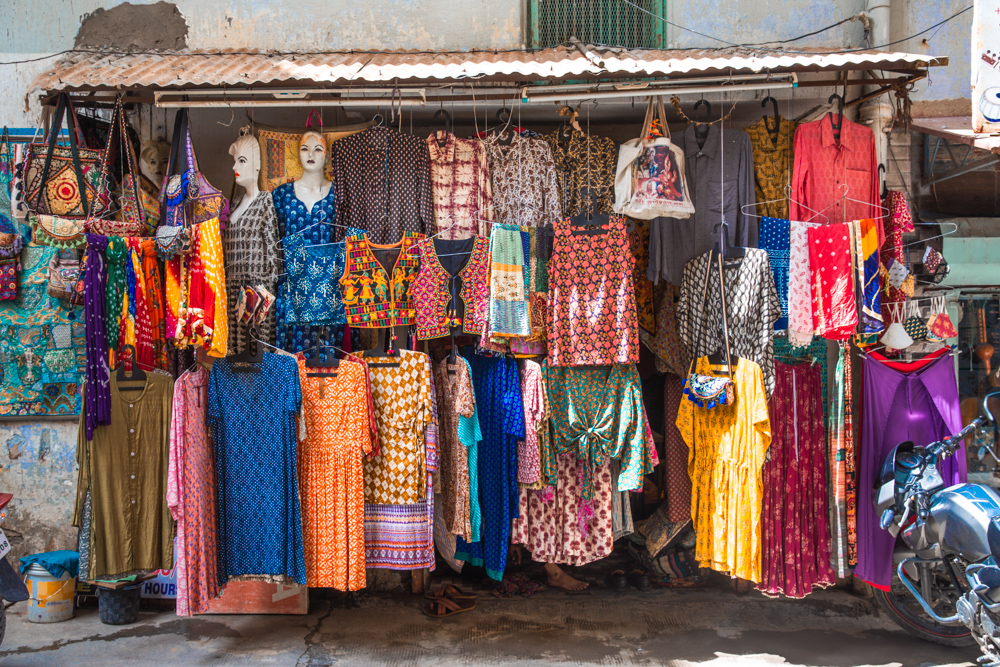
(445, 606)
(616, 580)
(640, 580)
(450, 591)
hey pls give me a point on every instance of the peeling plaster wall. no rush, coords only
(38, 465)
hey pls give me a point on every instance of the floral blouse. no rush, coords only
(525, 191)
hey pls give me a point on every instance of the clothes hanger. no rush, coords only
(777, 119)
(844, 197)
(448, 125)
(137, 375)
(315, 362)
(884, 181)
(788, 198)
(840, 115)
(954, 230)
(386, 348)
(701, 129)
(243, 362)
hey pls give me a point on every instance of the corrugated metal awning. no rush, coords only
(94, 71)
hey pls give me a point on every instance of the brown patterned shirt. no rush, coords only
(583, 162)
(460, 186)
(524, 181)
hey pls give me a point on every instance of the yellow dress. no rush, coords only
(726, 450)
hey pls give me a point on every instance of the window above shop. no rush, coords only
(633, 25)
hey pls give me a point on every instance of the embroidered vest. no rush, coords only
(435, 312)
(374, 297)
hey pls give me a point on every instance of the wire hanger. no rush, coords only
(788, 198)
(844, 197)
(954, 230)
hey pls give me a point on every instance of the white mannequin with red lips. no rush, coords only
(312, 186)
(246, 169)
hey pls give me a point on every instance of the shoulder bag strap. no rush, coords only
(663, 117)
(130, 159)
(319, 120)
(647, 120)
(175, 144)
(192, 159)
(52, 138)
(725, 319)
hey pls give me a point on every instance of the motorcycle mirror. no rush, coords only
(888, 517)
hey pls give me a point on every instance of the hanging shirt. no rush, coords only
(124, 468)
(524, 181)
(311, 290)
(772, 164)
(456, 400)
(722, 167)
(383, 184)
(752, 308)
(583, 161)
(460, 186)
(252, 416)
(825, 170)
(727, 446)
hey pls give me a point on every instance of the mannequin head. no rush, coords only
(312, 152)
(153, 157)
(246, 160)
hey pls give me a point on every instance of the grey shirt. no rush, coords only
(673, 242)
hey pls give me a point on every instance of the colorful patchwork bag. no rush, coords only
(128, 220)
(60, 181)
(65, 279)
(56, 231)
(711, 391)
(187, 198)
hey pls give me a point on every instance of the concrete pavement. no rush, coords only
(680, 628)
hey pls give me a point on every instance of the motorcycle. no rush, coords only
(12, 588)
(948, 547)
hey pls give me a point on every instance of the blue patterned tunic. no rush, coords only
(252, 416)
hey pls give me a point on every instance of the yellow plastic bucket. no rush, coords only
(51, 598)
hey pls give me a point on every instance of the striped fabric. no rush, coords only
(508, 301)
(837, 470)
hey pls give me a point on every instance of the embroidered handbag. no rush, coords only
(128, 220)
(58, 232)
(649, 179)
(64, 278)
(172, 241)
(188, 197)
(711, 391)
(61, 181)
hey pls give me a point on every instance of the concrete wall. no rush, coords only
(38, 465)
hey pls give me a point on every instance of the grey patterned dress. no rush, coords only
(252, 256)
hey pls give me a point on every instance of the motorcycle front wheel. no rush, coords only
(907, 613)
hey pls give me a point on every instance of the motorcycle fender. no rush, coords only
(12, 587)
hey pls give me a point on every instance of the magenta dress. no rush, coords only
(921, 406)
(796, 552)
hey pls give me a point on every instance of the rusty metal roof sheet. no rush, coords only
(82, 70)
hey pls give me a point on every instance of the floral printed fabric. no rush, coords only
(460, 186)
(801, 323)
(598, 415)
(312, 286)
(191, 495)
(592, 315)
(440, 305)
(796, 542)
(583, 161)
(524, 180)
(533, 396)
(403, 409)
(331, 476)
(772, 164)
(727, 446)
(456, 399)
(677, 481)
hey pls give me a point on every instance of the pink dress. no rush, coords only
(191, 495)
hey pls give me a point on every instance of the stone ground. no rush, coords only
(680, 628)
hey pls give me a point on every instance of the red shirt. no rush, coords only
(823, 166)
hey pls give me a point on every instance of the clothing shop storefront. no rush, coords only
(336, 313)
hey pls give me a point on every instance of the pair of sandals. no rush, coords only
(619, 581)
(448, 601)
